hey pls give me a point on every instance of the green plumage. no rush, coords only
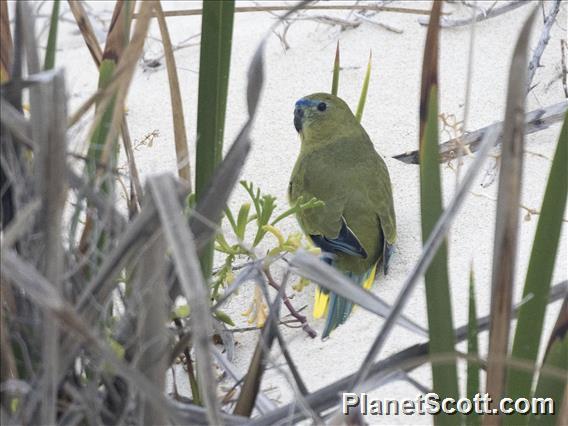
(338, 165)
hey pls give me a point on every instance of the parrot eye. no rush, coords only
(322, 106)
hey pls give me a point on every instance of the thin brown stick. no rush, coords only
(86, 29)
(245, 9)
(387, 27)
(301, 318)
(188, 362)
(481, 16)
(180, 136)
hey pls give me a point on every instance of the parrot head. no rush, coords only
(321, 113)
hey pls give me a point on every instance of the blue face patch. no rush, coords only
(304, 103)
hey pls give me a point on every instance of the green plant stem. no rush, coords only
(215, 57)
(52, 38)
(438, 301)
(541, 267)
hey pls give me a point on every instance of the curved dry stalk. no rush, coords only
(192, 284)
(84, 24)
(128, 61)
(507, 219)
(92, 43)
(180, 137)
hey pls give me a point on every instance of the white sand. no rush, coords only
(390, 118)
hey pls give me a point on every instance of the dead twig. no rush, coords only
(535, 121)
(480, 16)
(330, 20)
(530, 211)
(378, 24)
(245, 9)
(301, 318)
(185, 337)
(542, 43)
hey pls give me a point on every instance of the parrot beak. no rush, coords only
(298, 115)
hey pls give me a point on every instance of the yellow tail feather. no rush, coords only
(369, 281)
(322, 299)
(321, 303)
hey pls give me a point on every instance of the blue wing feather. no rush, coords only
(346, 242)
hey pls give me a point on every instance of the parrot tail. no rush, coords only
(338, 308)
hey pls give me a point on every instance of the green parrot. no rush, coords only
(338, 165)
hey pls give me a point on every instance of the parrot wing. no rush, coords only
(382, 200)
(384, 207)
(346, 242)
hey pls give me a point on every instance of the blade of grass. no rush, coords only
(335, 80)
(91, 41)
(472, 349)
(6, 47)
(364, 89)
(129, 54)
(52, 38)
(539, 274)
(10, 67)
(86, 29)
(214, 62)
(438, 295)
(194, 287)
(102, 130)
(151, 334)
(507, 219)
(48, 114)
(182, 154)
(553, 387)
(29, 39)
(209, 209)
